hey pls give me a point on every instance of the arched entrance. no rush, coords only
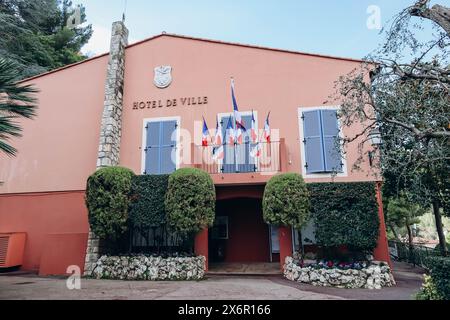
(240, 241)
(240, 234)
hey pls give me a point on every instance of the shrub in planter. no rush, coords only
(286, 201)
(190, 201)
(147, 209)
(345, 214)
(107, 200)
(437, 283)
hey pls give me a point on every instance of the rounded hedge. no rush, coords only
(107, 200)
(286, 201)
(190, 201)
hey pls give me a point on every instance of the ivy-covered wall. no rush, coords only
(345, 214)
(147, 209)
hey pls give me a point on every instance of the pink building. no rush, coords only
(135, 116)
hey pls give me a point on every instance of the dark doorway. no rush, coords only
(240, 234)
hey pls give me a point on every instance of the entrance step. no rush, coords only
(244, 269)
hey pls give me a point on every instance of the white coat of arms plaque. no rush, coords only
(163, 77)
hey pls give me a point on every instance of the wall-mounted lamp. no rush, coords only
(375, 137)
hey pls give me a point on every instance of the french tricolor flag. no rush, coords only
(206, 136)
(254, 130)
(256, 151)
(218, 138)
(218, 153)
(267, 129)
(230, 133)
(240, 127)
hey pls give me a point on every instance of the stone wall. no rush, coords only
(376, 276)
(111, 126)
(111, 129)
(149, 268)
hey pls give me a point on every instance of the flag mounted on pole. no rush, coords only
(230, 132)
(239, 123)
(256, 151)
(218, 138)
(206, 137)
(254, 130)
(267, 129)
(218, 150)
(218, 153)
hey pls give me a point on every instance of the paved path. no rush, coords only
(214, 287)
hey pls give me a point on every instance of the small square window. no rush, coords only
(220, 228)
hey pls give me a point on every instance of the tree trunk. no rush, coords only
(300, 240)
(410, 244)
(394, 232)
(438, 14)
(410, 235)
(440, 228)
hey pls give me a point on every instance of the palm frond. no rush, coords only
(16, 101)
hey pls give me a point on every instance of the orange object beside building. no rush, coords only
(12, 246)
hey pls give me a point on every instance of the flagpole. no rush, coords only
(257, 140)
(234, 126)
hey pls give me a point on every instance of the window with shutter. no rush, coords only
(160, 151)
(313, 142)
(237, 157)
(321, 129)
(330, 131)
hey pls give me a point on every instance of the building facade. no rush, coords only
(141, 107)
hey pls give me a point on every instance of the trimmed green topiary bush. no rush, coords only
(345, 214)
(147, 209)
(190, 201)
(437, 283)
(107, 199)
(286, 201)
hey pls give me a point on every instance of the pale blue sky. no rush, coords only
(333, 27)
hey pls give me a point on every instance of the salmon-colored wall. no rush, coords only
(63, 254)
(265, 81)
(58, 150)
(40, 215)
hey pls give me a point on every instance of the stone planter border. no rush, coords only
(149, 268)
(376, 276)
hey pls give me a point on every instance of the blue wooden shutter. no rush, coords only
(330, 132)
(228, 165)
(168, 147)
(312, 131)
(152, 149)
(245, 162)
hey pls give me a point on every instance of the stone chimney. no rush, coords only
(111, 126)
(111, 130)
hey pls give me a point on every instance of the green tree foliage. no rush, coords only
(35, 34)
(147, 208)
(286, 201)
(345, 214)
(190, 201)
(402, 213)
(108, 199)
(437, 283)
(408, 100)
(16, 101)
